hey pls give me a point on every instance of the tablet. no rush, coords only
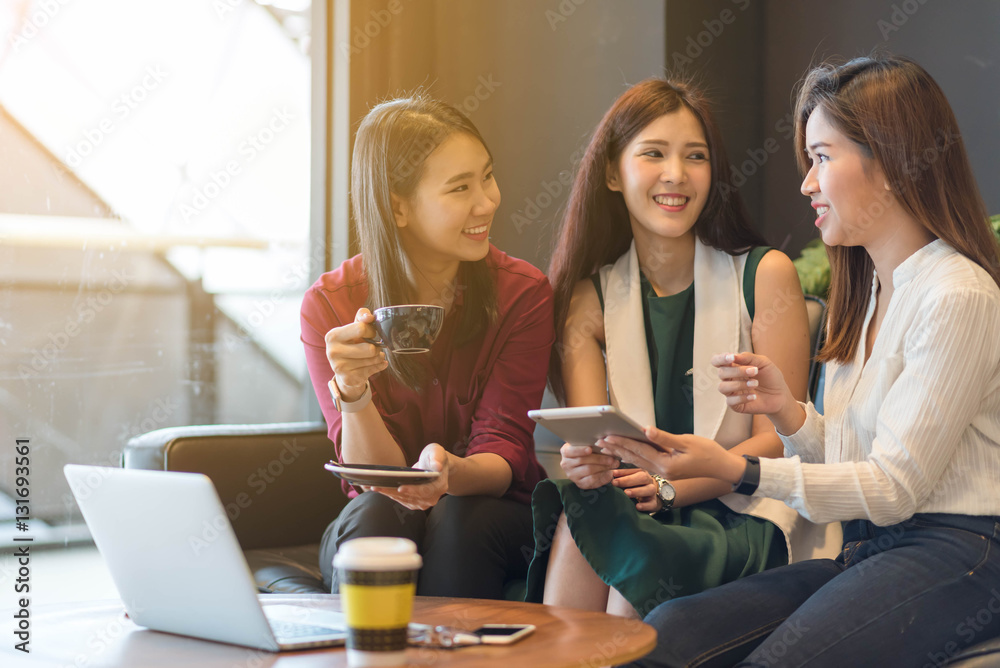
(585, 425)
(381, 476)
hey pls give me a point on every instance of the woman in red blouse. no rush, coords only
(424, 198)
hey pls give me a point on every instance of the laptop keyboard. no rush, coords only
(290, 630)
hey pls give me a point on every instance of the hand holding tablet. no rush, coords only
(585, 425)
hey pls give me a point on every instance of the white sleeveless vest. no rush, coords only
(721, 324)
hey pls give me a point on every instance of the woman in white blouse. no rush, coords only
(907, 455)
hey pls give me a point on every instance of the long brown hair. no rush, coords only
(595, 229)
(390, 149)
(892, 108)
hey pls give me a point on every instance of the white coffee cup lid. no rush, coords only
(378, 554)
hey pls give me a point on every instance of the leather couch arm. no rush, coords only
(984, 655)
(270, 477)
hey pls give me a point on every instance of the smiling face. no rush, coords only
(448, 217)
(847, 188)
(665, 176)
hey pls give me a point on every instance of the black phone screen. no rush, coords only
(493, 631)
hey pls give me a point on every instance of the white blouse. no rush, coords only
(917, 428)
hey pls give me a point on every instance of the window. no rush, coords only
(154, 227)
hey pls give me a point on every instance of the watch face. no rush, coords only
(667, 492)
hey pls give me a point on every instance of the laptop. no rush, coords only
(175, 560)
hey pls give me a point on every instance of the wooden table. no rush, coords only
(96, 635)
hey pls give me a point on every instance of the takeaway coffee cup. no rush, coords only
(378, 579)
(407, 329)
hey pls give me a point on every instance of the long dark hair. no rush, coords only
(595, 229)
(390, 150)
(899, 117)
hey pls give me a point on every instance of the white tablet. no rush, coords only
(585, 425)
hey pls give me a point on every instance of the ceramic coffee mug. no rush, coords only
(407, 329)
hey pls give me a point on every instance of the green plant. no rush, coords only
(814, 267)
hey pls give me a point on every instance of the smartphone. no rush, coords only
(503, 634)
(585, 425)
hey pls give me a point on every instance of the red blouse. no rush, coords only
(477, 396)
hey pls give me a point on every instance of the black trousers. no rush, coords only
(471, 545)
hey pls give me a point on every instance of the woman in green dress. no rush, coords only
(656, 268)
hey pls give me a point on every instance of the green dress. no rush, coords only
(678, 552)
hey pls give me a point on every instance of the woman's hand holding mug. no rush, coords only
(352, 359)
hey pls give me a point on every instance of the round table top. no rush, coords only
(99, 635)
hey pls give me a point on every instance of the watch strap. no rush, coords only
(355, 406)
(751, 477)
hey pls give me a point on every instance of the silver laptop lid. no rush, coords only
(172, 553)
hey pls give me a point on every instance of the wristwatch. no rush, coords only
(751, 477)
(665, 491)
(358, 404)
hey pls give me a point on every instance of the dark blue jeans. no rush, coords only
(912, 594)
